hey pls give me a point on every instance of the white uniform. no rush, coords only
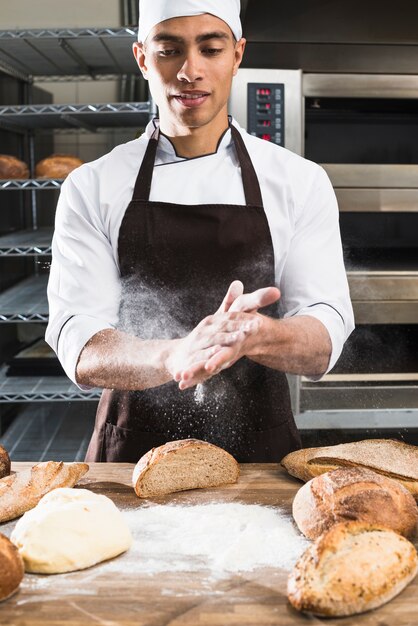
(300, 205)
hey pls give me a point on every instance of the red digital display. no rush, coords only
(266, 137)
(264, 92)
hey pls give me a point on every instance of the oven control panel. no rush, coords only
(266, 111)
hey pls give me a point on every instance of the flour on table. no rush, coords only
(221, 538)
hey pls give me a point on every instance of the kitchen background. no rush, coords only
(335, 81)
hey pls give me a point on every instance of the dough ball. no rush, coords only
(70, 529)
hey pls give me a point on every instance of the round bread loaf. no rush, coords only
(354, 493)
(12, 168)
(57, 166)
(11, 568)
(4, 463)
(183, 464)
(352, 568)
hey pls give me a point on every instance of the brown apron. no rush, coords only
(176, 263)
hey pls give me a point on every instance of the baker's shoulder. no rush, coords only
(120, 162)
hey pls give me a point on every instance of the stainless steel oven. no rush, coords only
(363, 129)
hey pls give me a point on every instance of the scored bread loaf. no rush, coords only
(181, 465)
(4, 463)
(354, 493)
(11, 568)
(57, 166)
(352, 568)
(13, 168)
(22, 491)
(392, 458)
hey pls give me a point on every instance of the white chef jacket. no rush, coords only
(300, 205)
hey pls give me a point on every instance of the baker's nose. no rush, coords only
(191, 70)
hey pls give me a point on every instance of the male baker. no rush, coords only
(169, 253)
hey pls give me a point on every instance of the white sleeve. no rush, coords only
(314, 281)
(84, 283)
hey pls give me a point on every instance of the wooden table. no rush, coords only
(188, 599)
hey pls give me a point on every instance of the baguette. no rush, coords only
(352, 568)
(4, 463)
(354, 493)
(21, 492)
(389, 457)
(11, 568)
(181, 465)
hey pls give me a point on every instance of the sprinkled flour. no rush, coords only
(222, 538)
(199, 394)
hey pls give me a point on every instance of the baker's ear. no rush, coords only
(239, 53)
(139, 54)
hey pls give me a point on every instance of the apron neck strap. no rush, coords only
(249, 177)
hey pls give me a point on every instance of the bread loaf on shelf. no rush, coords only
(22, 491)
(392, 458)
(4, 462)
(57, 166)
(181, 465)
(11, 568)
(352, 568)
(354, 493)
(12, 168)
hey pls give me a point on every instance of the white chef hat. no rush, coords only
(152, 12)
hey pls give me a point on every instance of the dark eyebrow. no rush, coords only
(214, 35)
(205, 37)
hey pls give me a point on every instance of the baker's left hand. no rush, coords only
(201, 371)
(243, 307)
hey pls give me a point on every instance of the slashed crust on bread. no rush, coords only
(181, 465)
(354, 493)
(352, 568)
(22, 491)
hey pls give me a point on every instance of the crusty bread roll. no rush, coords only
(21, 492)
(11, 568)
(12, 168)
(57, 166)
(4, 462)
(181, 465)
(352, 568)
(395, 459)
(354, 493)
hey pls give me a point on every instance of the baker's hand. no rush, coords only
(188, 356)
(238, 301)
(223, 356)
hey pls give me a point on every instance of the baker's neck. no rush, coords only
(194, 142)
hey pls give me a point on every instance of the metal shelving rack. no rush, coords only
(31, 184)
(89, 117)
(25, 302)
(27, 243)
(41, 389)
(56, 55)
(67, 52)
